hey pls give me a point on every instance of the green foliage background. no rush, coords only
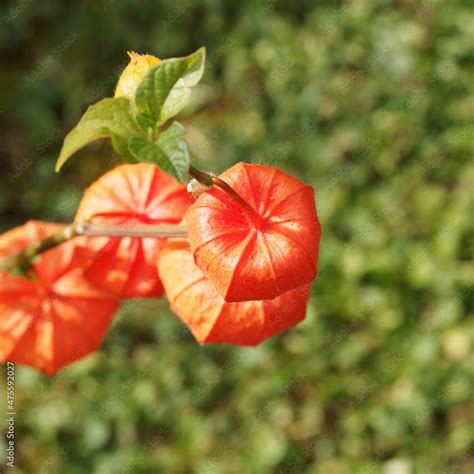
(372, 103)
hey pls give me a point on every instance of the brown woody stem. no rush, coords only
(144, 231)
(23, 260)
(209, 180)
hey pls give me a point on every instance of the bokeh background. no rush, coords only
(372, 102)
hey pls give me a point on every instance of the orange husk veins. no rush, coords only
(56, 317)
(130, 195)
(209, 317)
(246, 260)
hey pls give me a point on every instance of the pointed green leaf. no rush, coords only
(105, 118)
(166, 88)
(174, 145)
(170, 152)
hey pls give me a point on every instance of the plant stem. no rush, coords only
(144, 231)
(208, 180)
(23, 260)
(201, 177)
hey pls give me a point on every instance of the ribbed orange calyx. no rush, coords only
(254, 259)
(128, 195)
(209, 317)
(56, 317)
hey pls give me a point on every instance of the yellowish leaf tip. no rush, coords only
(134, 72)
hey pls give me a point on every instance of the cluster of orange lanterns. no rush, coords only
(242, 275)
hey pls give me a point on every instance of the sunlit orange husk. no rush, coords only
(56, 317)
(245, 261)
(198, 304)
(131, 195)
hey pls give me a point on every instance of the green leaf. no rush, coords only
(111, 116)
(120, 145)
(166, 88)
(170, 152)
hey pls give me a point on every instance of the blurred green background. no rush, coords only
(372, 102)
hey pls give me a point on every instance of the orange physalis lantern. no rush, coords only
(131, 195)
(209, 317)
(57, 316)
(259, 250)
